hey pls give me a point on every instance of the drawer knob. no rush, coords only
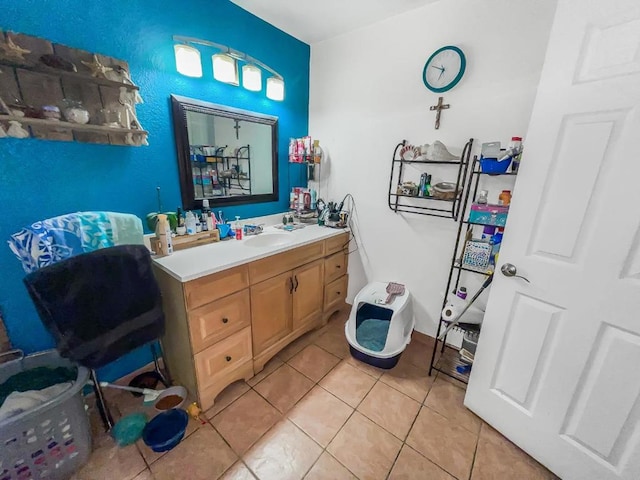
(228, 358)
(225, 320)
(338, 266)
(337, 293)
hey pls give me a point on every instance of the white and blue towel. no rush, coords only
(52, 240)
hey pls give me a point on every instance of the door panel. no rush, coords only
(555, 367)
(525, 349)
(271, 302)
(608, 395)
(308, 295)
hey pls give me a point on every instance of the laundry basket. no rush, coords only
(51, 441)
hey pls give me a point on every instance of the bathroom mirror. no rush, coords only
(226, 155)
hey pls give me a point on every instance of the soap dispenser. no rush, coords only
(238, 228)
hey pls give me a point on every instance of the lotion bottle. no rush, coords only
(163, 232)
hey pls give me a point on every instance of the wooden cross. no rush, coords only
(237, 127)
(439, 107)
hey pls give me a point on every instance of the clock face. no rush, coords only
(444, 69)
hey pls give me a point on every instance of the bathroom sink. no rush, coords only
(269, 240)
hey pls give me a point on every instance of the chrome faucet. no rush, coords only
(253, 229)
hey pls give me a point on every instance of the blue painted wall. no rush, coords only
(41, 179)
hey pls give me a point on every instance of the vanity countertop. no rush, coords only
(196, 262)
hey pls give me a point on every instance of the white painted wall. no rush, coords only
(367, 95)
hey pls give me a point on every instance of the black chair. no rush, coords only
(99, 306)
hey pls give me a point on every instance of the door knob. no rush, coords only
(510, 270)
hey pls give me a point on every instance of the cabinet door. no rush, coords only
(308, 293)
(271, 311)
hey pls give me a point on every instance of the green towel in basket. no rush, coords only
(36, 379)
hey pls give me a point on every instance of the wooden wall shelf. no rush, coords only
(100, 83)
(59, 124)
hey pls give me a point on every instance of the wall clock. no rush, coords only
(444, 69)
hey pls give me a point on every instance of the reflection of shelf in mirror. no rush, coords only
(473, 270)
(74, 75)
(427, 162)
(87, 127)
(217, 159)
(422, 198)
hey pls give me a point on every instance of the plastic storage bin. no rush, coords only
(494, 167)
(53, 440)
(488, 214)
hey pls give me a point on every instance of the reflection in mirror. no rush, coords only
(226, 155)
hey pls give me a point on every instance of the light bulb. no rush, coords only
(225, 68)
(275, 88)
(252, 78)
(188, 61)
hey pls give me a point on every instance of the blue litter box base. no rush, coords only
(384, 363)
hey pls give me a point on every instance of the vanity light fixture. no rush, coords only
(188, 60)
(275, 88)
(225, 66)
(251, 77)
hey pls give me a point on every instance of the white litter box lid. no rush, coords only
(375, 293)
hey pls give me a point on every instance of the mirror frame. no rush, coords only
(180, 106)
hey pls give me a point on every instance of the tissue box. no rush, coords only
(488, 214)
(476, 254)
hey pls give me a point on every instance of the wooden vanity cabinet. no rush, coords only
(284, 307)
(225, 326)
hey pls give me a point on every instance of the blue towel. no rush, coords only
(49, 241)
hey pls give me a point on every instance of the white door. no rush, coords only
(557, 368)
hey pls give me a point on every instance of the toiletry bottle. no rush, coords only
(461, 292)
(163, 232)
(504, 198)
(314, 199)
(210, 224)
(179, 217)
(203, 219)
(190, 223)
(238, 228)
(483, 197)
(496, 241)
(488, 232)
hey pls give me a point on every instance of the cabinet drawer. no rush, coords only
(335, 266)
(337, 243)
(276, 264)
(215, 361)
(212, 287)
(219, 319)
(335, 292)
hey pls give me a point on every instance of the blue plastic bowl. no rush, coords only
(165, 430)
(493, 167)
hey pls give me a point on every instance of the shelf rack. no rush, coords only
(226, 186)
(445, 359)
(398, 202)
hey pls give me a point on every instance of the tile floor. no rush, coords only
(316, 413)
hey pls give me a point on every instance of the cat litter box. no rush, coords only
(378, 332)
